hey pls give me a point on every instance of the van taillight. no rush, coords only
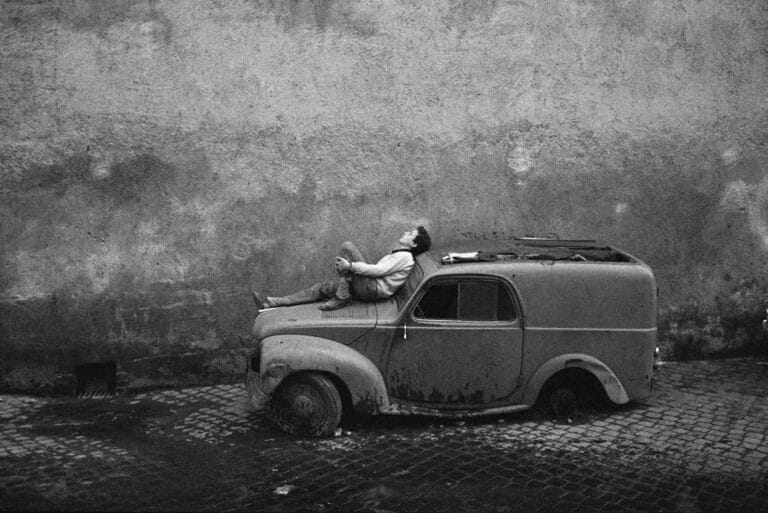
(256, 362)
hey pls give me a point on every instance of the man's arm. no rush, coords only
(400, 261)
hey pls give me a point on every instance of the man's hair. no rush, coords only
(422, 240)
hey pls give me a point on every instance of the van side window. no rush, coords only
(484, 300)
(440, 302)
(466, 300)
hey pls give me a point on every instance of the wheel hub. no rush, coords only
(304, 405)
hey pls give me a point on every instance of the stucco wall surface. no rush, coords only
(160, 159)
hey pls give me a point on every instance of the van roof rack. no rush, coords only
(530, 248)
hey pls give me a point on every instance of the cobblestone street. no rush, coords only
(698, 444)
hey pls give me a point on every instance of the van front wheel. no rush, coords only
(306, 404)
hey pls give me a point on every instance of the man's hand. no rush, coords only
(342, 265)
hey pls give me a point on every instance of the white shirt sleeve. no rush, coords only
(389, 264)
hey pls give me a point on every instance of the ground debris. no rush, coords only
(284, 489)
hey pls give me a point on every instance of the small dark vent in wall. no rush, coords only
(95, 379)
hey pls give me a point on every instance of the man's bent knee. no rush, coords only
(350, 252)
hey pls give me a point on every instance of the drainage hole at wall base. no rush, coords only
(95, 379)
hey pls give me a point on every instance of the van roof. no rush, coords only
(563, 283)
(526, 249)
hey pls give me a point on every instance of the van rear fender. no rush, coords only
(283, 355)
(607, 378)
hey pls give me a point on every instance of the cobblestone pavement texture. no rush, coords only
(698, 444)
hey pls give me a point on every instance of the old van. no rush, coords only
(480, 327)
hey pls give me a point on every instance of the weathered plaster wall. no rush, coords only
(158, 159)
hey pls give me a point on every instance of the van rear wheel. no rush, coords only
(563, 401)
(306, 404)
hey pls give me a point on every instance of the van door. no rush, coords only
(460, 345)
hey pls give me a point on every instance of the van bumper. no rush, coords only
(256, 396)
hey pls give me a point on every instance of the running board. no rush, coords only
(401, 409)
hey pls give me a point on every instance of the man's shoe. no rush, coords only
(262, 302)
(334, 304)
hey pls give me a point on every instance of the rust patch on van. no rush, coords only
(369, 403)
(408, 393)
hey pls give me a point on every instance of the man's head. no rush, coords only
(417, 240)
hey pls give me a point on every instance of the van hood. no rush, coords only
(343, 325)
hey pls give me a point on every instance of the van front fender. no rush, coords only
(283, 355)
(610, 383)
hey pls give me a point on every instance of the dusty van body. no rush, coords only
(478, 328)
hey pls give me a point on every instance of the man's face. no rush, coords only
(408, 237)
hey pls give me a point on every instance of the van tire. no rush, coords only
(562, 401)
(306, 404)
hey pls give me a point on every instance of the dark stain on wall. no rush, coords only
(95, 15)
(55, 177)
(142, 176)
(461, 12)
(320, 15)
(152, 185)
(88, 15)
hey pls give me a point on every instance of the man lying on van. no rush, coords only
(357, 279)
